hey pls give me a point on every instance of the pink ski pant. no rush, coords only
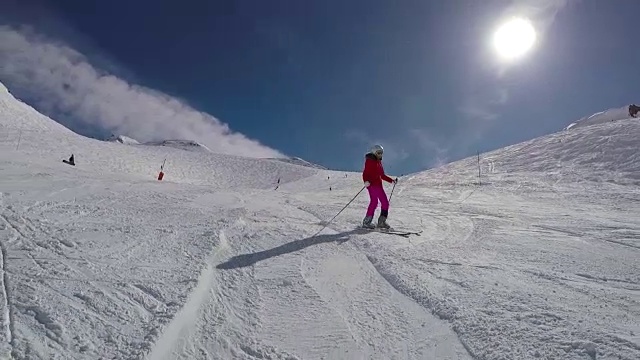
(376, 193)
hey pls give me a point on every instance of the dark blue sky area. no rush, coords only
(324, 79)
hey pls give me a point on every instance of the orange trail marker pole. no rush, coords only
(161, 174)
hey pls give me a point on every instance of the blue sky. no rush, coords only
(322, 80)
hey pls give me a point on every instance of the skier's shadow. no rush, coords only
(250, 259)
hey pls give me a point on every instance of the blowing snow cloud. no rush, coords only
(61, 82)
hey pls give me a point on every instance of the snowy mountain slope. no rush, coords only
(18, 116)
(599, 153)
(123, 140)
(189, 145)
(606, 116)
(102, 261)
(25, 129)
(549, 246)
(299, 161)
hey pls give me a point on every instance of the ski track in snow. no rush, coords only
(539, 259)
(7, 320)
(189, 312)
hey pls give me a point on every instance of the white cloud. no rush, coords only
(501, 97)
(482, 107)
(393, 151)
(63, 82)
(478, 111)
(428, 143)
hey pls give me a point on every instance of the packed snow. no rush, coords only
(123, 140)
(190, 145)
(299, 161)
(614, 114)
(229, 257)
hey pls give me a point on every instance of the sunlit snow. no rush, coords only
(537, 259)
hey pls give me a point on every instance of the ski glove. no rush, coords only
(395, 181)
(366, 184)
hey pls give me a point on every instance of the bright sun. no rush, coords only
(514, 38)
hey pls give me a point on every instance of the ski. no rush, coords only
(404, 233)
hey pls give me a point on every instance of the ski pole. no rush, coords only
(329, 222)
(393, 188)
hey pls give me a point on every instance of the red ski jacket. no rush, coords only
(373, 171)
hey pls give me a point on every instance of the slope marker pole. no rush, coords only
(161, 173)
(479, 181)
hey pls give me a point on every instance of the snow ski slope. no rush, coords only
(538, 260)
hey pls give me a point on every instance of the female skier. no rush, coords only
(372, 175)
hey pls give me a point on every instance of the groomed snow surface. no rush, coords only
(540, 260)
(613, 114)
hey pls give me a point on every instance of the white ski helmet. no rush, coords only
(377, 149)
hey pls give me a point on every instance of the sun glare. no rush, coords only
(514, 38)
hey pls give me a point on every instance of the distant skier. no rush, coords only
(633, 110)
(372, 175)
(71, 161)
